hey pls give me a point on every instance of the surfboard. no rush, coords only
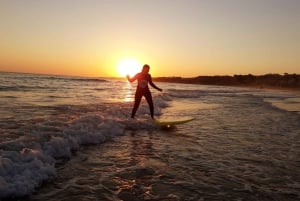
(171, 122)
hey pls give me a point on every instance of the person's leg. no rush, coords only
(137, 100)
(148, 97)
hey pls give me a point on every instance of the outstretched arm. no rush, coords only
(131, 79)
(153, 85)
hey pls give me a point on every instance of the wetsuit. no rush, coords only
(142, 89)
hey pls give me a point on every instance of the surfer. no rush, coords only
(142, 89)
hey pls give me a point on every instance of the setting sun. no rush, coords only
(129, 67)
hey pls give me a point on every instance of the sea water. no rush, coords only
(71, 138)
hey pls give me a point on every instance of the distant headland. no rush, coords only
(285, 81)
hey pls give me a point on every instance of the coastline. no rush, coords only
(289, 82)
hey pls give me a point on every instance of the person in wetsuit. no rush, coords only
(142, 89)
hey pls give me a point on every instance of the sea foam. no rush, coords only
(29, 160)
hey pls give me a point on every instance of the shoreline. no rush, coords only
(286, 82)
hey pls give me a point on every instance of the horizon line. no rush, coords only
(169, 76)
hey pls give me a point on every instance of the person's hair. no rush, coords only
(146, 66)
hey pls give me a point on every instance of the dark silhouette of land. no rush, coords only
(286, 81)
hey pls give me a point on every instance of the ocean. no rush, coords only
(72, 138)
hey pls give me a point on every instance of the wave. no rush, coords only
(30, 159)
(30, 76)
(21, 88)
(44, 82)
(211, 91)
(85, 79)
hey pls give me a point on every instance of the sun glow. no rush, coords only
(129, 67)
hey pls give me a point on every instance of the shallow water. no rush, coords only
(241, 146)
(222, 155)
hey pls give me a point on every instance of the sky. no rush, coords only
(184, 38)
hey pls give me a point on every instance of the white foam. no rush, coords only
(29, 160)
(21, 172)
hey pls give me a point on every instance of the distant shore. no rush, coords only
(274, 81)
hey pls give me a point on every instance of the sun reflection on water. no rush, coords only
(127, 91)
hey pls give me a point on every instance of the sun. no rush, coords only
(128, 66)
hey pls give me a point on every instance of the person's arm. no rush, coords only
(133, 78)
(152, 84)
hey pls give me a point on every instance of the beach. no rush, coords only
(66, 138)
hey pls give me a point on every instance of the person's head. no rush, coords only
(146, 68)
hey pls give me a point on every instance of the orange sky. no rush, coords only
(177, 38)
